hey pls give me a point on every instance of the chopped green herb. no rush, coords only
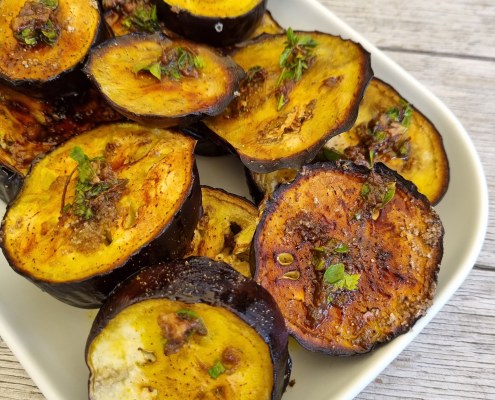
(295, 59)
(216, 370)
(174, 64)
(142, 20)
(90, 184)
(187, 314)
(40, 27)
(334, 273)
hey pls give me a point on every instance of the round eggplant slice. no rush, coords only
(45, 42)
(192, 329)
(350, 255)
(124, 17)
(214, 22)
(99, 207)
(390, 130)
(156, 81)
(31, 127)
(300, 89)
(225, 231)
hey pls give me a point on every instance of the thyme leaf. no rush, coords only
(294, 60)
(175, 63)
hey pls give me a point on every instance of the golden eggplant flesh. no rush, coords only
(44, 43)
(351, 255)
(225, 230)
(99, 207)
(156, 81)
(283, 115)
(392, 131)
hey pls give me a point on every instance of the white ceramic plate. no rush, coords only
(48, 337)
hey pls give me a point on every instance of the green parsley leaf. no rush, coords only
(216, 370)
(187, 314)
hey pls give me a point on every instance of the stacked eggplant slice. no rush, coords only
(102, 105)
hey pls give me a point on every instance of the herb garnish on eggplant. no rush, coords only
(190, 329)
(113, 199)
(351, 255)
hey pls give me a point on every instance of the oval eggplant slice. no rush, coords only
(215, 22)
(112, 200)
(350, 255)
(284, 114)
(156, 81)
(193, 329)
(45, 42)
(390, 130)
(225, 231)
(30, 127)
(124, 17)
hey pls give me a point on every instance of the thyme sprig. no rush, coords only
(295, 59)
(90, 185)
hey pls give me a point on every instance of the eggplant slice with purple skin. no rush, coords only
(191, 329)
(160, 82)
(45, 43)
(101, 206)
(391, 130)
(300, 89)
(30, 127)
(214, 22)
(351, 255)
(226, 229)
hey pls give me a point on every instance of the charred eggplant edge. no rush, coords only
(201, 279)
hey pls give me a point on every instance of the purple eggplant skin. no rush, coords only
(10, 183)
(216, 32)
(203, 280)
(171, 243)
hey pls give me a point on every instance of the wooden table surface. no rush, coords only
(448, 45)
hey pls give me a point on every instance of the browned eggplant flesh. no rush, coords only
(161, 82)
(225, 230)
(391, 130)
(350, 254)
(300, 89)
(101, 206)
(192, 329)
(30, 127)
(45, 42)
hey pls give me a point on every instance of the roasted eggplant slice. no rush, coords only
(30, 127)
(45, 42)
(226, 229)
(156, 81)
(131, 16)
(193, 329)
(390, 130)
(300, 89)
(99, 207)
(350, 255)
(214, 22)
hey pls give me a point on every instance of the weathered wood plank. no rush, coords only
(462, 28)
(454, 357)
